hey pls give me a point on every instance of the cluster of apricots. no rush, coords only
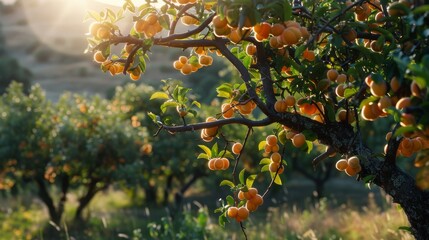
(282, 105)
(253, 201)
(186, 67)
(244, 108)
(149, 26)
(100, 31)
(298, 139)
(373, 110)
(207, 134)
(135, 122)
(409, 145)
(350, 166)
(272, 147)
(218, 164)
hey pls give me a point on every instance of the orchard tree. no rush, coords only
(77, 144)
(314, 71)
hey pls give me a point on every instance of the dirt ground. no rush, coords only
(49, 39)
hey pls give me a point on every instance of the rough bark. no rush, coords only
(86, 199)
(54, 215)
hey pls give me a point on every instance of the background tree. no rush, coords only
(312, 71)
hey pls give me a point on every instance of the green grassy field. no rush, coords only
(112, 215)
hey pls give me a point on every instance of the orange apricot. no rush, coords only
(403, 103)
(395, 84)
(271, 140)
(251, 49)
(351, 171)
(250, 193)
(241, 195)
(186, 69)
(277, 29)
(353, 162)
(332, 74)
(341, 165)
(251, 206)
(237, 147)
(227, 110)
(273, 167)
(384, 103)
(378, 89)
(99, 57)
(280, 106)
(242, 214)
(219, 22)
(211, 164)
(177, 65)
(232, 212)
(290, 101)
(298, 140)
(276, 157)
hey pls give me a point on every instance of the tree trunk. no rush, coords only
(150, 194)
(86, 199)
(54, 215)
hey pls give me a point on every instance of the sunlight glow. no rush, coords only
(119, 3)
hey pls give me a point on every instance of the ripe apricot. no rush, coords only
(263, 29)
(341, 164)
(183, 59)
(273, 167)
(251, 206)
(407, 119)
(277, 29)
(103, 32)
(188, 20)
(378, 89)
(290, 101)
(241, 195)
(258, 200)
(225, 162)
(298, 140)
(308, 108)
(353, 162)
(395, 84)
(271, 140)
(251, 49)
(237, 147)
(350, 35)
(275, 148)
(250, 193)
(141, 26)
(332, 74)
(186, 69)
(99, 57)
(304, 32)
(280, 106)
(308, 55)
(93, 28)
(232, 212)
(177, 65)
(219, 164)
(242, 214)
(350, 171)
(211, 164)
(135, 76)
(289, 37)
(342, 78)
(219, 22)
(403, 103)
(227, 110)
(205, 60)
(415, 90)
(276, 157)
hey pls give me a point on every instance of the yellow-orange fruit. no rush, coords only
(367, 113)
(99, 57)
(211, 164)
(274, 166)
(141, 26)
(290, 101)
(183, 59)
(403, 103)
(289, 37)
(241, 195)
(93, 28)
(237, 147)
(378, 89)
(251, 206)
(341, 165)
(186, 69)
(250, 193)
(304, 32)
(271, 140)
(232, 212)
(332, 74)
(225, 162)
(227, 110)
(188, 20)
(242, 214)
(251, 49)
(351, 171)
(177, 65)
(275, 148)
(257, 200)
(395, 84)
(298, 140)
(407, 119)
(280, 106)
(276, 157)
(353, 162)
(342, 78)
(384, 103)
(415, 89)
(218, 22)
(277, 29)
(219, 164)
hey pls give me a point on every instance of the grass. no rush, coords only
(113, 216)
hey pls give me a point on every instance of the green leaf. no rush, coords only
(215, 150)
(421, 9)
(367, 100)
(168, 104)
(403, 130)
(277, 180)
(203, 155)
(230, 200)
(299, 50)
(265, 168)
(153, 116)
(197, 104)
(261, 145)
(287, 11)
(227, 183)
(350, 92)
(395, 113)
(265, 161)
(222, 220)
(164, 20)
(159, 95)
(309, 146)
(250, 180)
(206, 150)
(405, 228)
(241, 176)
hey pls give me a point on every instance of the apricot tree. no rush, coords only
(314, 71)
